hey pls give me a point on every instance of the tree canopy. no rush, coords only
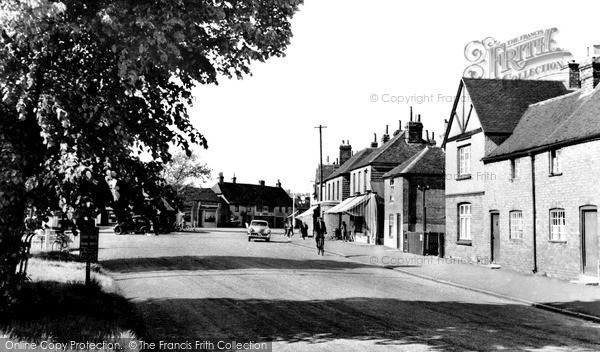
(92, 84)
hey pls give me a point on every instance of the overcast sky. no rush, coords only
(343, 52)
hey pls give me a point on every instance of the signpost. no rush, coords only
(88, 248)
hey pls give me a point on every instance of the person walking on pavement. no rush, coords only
(344, 231)
(304, 230)
(320, 237)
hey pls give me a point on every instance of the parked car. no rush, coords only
(137, 224)
(259, 229)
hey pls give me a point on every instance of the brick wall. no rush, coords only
(480, 243)
(505, 195)
(575, 188)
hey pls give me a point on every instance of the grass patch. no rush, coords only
(56, 305)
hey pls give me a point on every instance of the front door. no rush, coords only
(495, 237)
(398, 231)
(589, 242)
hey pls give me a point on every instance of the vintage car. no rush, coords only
(137, 224)
(259, 229)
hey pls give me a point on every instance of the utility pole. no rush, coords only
(321, 127)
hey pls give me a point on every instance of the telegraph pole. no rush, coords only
(321, 127)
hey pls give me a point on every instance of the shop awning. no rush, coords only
(289, 216)
(352, 206)
(309, 213)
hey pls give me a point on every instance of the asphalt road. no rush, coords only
(217, 286)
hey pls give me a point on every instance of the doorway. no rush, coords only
(589, 241)
(495, 237)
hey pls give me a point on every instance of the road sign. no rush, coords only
(88, 245)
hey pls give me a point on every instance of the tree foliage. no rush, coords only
(184, 170)
(92, 84)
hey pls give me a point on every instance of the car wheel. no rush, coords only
(143, 230)
(118, 230)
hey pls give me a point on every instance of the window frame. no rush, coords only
(460, 235)
(562, 228)
(555, 165)
(515, 230)
(461, 169)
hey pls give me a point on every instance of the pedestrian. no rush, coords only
(344, 232)
(304, 230)
(320, 237)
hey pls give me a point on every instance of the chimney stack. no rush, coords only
(415, 131)
(233, 179)
(374, 143)
(386, 136)
(574, 82)
(589, 74)
(278, 184)
(221, 178)
(345, 152)
(261, 182)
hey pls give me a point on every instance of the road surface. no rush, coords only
(216, 285)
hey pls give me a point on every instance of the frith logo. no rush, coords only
(529, 56)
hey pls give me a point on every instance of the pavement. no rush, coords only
(560, 296)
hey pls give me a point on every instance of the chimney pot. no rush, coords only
(411, 114)
(221, 178)
(278, 183)
(374, 143)
(261, 182)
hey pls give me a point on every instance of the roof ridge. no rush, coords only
(548, 101)
(419, 157)
(387, 145)
(510, 80)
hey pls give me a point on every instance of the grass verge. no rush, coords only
(56, 306)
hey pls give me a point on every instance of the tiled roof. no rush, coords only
(190, 194)
(349, 164)
(248, 194)
(568, 118)
(500, 103)
(395, 151)
(430, 161)
(328, 169)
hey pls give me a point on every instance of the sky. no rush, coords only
(344, 55)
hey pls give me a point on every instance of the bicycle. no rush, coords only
(181, 227)
(61, 243)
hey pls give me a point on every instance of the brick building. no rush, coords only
(361, 184)
(201, 207)
(246, 202)
(535, 209)
(414, 197)
(546, 197)
(484, 115)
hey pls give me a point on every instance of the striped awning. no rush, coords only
(309, 213)
(353, 206)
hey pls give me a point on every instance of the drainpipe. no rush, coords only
(532, 157)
